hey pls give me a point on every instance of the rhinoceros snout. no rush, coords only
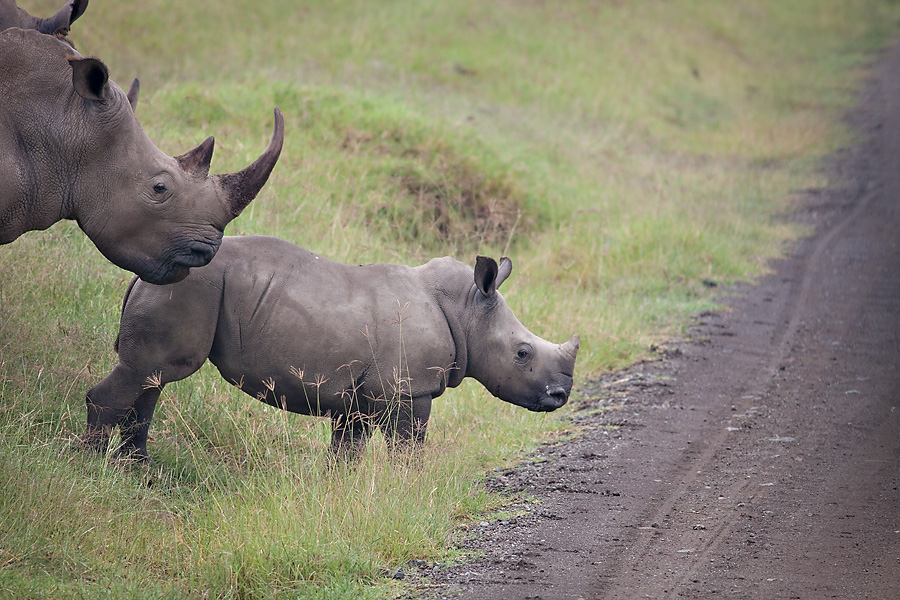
(190, 255)
(555, 398)
(197, 253)
(202, 253)
(556, 394)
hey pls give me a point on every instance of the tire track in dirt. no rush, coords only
(795, 310)
(760, 458)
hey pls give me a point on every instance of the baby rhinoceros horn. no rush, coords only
(570, 348)
(241, 187)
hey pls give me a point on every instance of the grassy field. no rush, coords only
(625, 155)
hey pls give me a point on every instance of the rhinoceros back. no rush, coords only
(305, 325)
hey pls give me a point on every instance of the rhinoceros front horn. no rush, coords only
(242, 187)
(570, 348)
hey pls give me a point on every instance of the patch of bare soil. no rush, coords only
(760, 458)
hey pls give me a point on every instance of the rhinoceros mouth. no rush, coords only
(197, 254)
(554, 397)
(175, 263)
(173, 274)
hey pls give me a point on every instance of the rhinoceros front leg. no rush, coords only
(123, 398)
(404, 423)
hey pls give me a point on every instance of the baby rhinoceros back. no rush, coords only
(368, 346)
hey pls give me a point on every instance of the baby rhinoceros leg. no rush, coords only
(349, 433)
(127, 399)
(404, 422)
(162, 338)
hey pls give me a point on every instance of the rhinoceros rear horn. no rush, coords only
(90, 77)
(243, 186)
(196, 161)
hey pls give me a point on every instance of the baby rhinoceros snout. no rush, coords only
(555, 397)
(556, 393)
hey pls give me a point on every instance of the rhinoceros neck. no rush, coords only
(35, 183)
(26, 205)
(12, 16)
(453, 285)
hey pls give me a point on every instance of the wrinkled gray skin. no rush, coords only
(58, 25)
(367, 345)
(72, 148)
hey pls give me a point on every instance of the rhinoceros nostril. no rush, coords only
(201, 253)
(556, 397)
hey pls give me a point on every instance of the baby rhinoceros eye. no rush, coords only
(523, 354)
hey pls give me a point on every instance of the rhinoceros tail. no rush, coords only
(131, 283)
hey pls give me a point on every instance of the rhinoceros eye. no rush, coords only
(160, 188)
(523, 354)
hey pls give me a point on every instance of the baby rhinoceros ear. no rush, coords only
(489, 275)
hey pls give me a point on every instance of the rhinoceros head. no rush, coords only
(511, 362)
(148, 212)
(59, 24)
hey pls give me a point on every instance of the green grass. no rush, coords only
(621, 153)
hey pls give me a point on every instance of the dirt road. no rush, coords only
(761, 458)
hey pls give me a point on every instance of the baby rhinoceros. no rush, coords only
(366, 345)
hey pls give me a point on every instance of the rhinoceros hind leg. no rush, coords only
(404, 423)
(135, 426)
(108, 403)
(349, 434)
(125, 398)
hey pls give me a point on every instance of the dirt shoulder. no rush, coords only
(760, 458)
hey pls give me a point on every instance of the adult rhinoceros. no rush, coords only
(13, 16)
(72, 148)
(368, 345)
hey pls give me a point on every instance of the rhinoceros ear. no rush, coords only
(78, 8)
(133, 92)
(90, 77)
(486, 275)
(504, 270)
(489, 275)
(59, 23)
